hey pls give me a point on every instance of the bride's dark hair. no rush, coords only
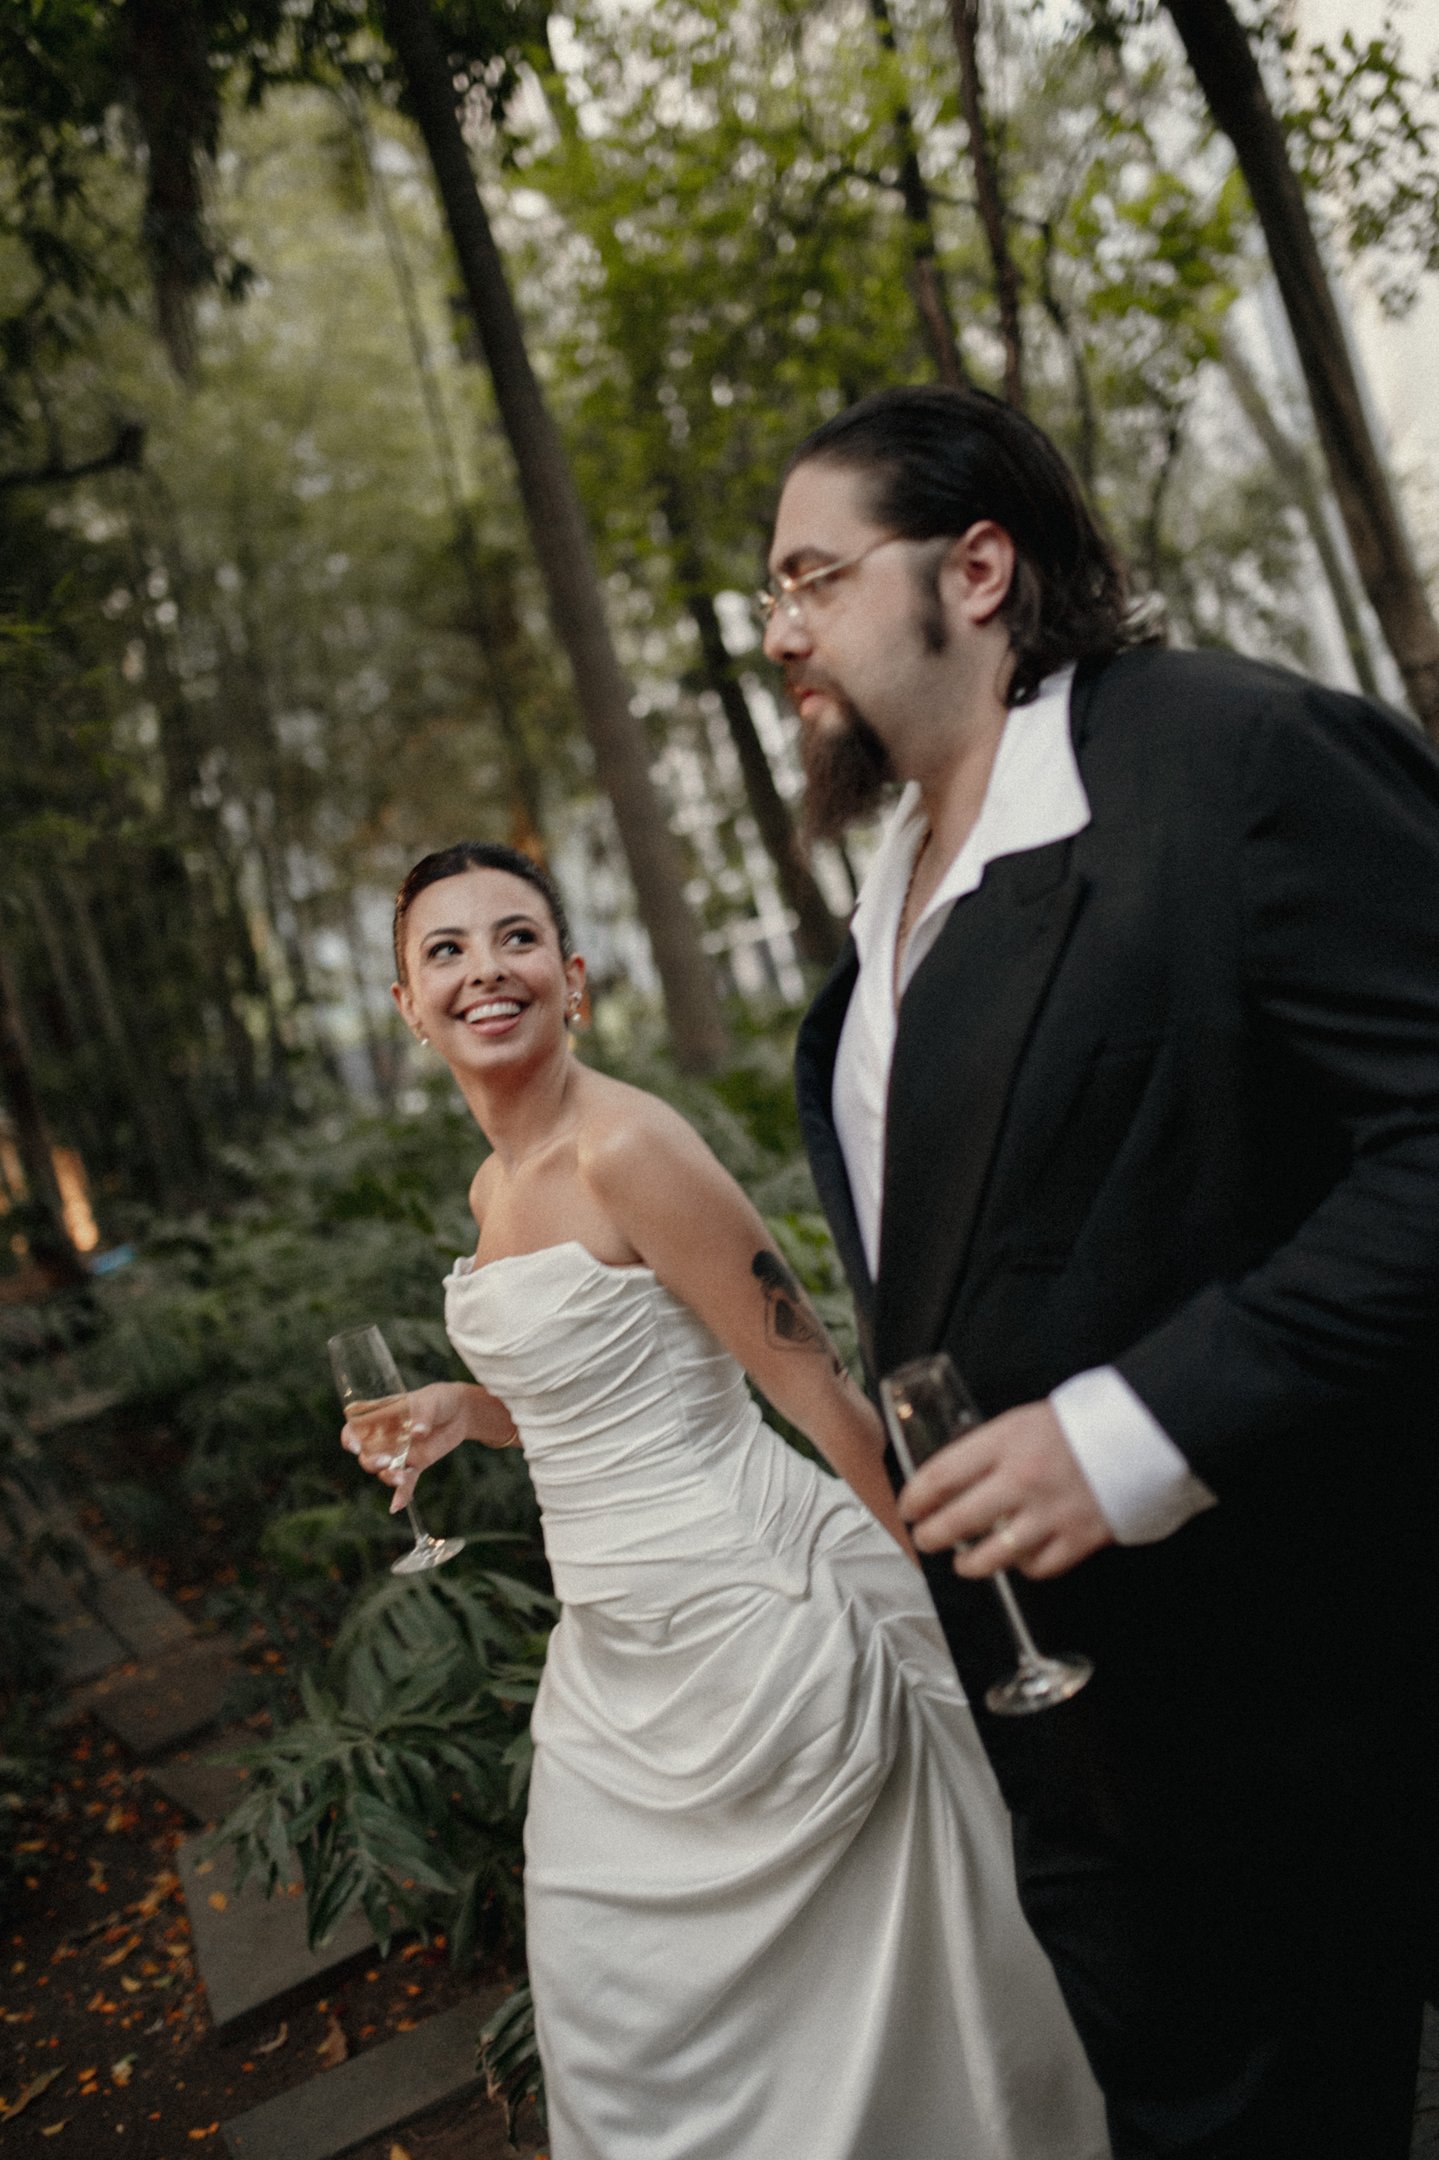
(477, 855)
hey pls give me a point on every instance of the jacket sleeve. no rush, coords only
(1337, 869)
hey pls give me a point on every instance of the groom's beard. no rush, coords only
(846, 771)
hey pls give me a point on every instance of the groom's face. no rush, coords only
(847, 634)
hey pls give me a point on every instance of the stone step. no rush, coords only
(376, 2092)
(82, 1645)
(132, 1608)
(200, 1779)
(251, 1949)
(166, 1701)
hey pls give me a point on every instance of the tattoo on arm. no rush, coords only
(789, 1320)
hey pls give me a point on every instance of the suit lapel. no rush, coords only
(963, 1026)
(815, 1051)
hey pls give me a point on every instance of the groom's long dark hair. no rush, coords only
(937, 460)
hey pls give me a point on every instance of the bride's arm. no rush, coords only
(689, 1221)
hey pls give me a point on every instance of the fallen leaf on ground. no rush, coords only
(334, 2048)
(122, 2071)
(118, 1957)
(398, 2152)
(32, 2091)
(268, 2047)
(217, 1901)
(158, 1891)
(54, 2129)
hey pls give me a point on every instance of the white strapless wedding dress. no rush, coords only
(768, 1882)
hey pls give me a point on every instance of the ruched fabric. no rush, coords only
(768, 1883)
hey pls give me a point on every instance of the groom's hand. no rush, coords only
(1013, 1493)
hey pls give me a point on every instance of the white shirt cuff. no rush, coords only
(1144, 1486)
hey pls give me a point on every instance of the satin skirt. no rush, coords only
(769, 1886)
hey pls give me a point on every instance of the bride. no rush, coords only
(768, 1884)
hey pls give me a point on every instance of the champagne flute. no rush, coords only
(374, 1395)
(926, 1405)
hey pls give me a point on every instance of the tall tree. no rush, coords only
(1291, 463)
(563, 549)
(964, 18)
(926, 277)
(49, 1240)
(1227, 71)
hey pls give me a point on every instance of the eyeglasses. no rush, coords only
(791, 593)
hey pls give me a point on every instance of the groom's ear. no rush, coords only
(979, 570)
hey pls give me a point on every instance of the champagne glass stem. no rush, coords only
(1019, 1627)
(422, 1535)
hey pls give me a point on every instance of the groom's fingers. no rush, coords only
(1018, 1467)
(967, 1517)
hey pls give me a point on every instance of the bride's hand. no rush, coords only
(442, 1415)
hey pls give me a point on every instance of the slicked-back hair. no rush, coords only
(477, 855)
(936, 461)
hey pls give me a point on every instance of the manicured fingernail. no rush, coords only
(384, 1462)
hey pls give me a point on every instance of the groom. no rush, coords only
(1126, 1093)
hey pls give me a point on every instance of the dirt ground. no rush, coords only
(106, 2043)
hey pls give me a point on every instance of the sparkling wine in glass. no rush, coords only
(375, 1401)
(926, 1405)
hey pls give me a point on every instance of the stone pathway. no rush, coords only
(380, 2090)
(130, 1658)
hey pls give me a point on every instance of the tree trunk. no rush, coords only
(562, 546)
(817, 934)
(1228, 74)
(142, 1091)
(964, 17)
(382, 1065)
(524, 776)
(90, 1099)
(930, 296)
(1292, 466)
(177, 106)
(1086, 448)
(50, 1243)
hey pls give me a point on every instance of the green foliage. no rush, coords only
(509, 2056)
(1364, 133)
(401, 1788)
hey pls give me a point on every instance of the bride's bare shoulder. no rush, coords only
(625, 1131)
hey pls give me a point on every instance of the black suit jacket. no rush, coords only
(1166, 1096)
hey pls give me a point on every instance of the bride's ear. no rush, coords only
(400, 992)
(574, 988)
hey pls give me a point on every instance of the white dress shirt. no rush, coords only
(1143, 1484)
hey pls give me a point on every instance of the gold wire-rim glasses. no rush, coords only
(784, 591)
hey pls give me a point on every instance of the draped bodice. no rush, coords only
(656, 1477)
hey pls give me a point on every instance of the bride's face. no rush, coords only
(485, 979)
